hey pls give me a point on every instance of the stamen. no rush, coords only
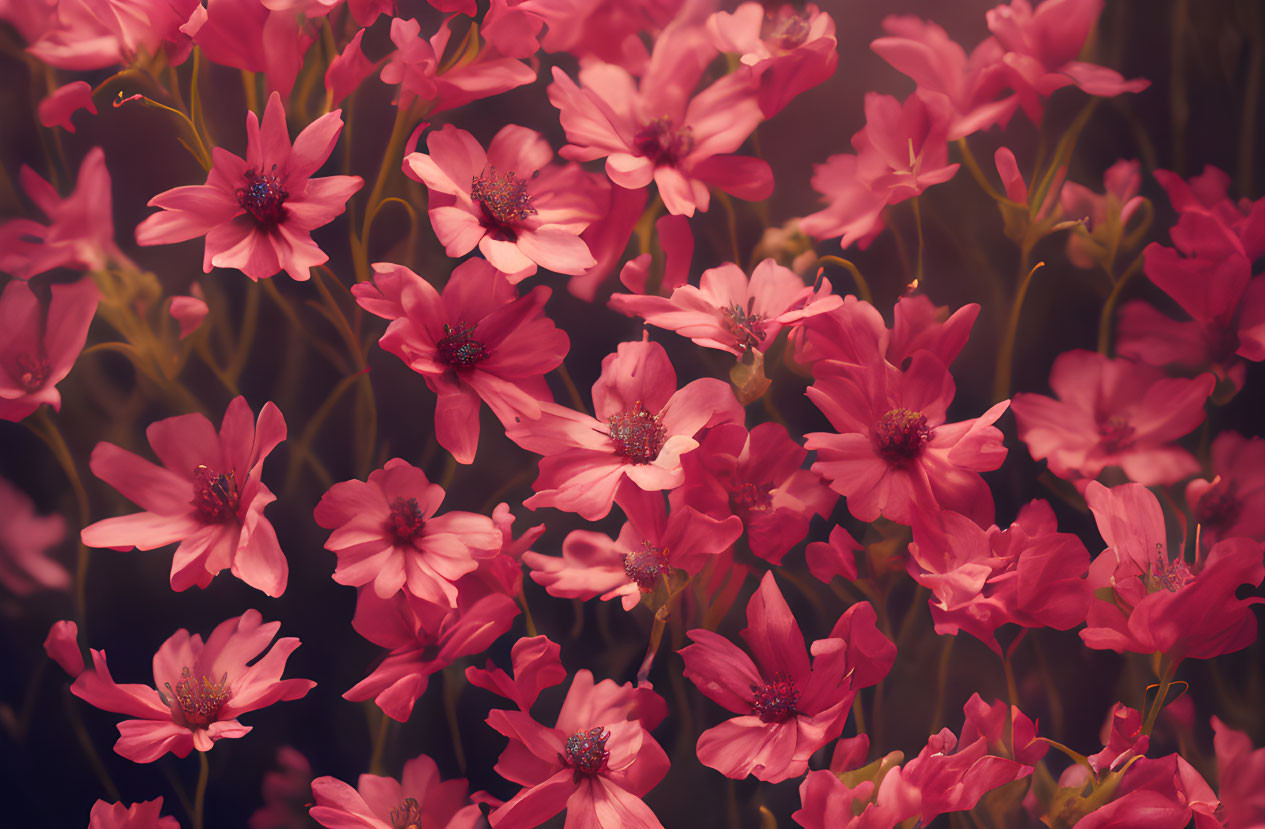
(746, 327)
(459, 348)
(776, 701)
(749, 498)
(586, 752)
(200, 699)
(215, 495)
(1116, 434)
(901, 435)
(662, 142)
(637, 434)
(405, 521)
(263, 197)
(786, 30)
(503, 197)
(645, 566)
(32, 372)
(408, 815)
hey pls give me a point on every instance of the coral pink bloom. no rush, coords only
(729, 312)
(755, 476)
(25, 540)
(853, 211)
(419, 798)
(255, 36)
(95, 34)
(519, 208)
(643, 425)
(597, 762)
(1112, 413)
(1029, 575)
(537, 665)
(788, 51)
(1107, 214)
(654, 131)
(649, 547)
(62, 646)
(1159, 794)
(56, 110)
(478, 340)
(199, 689)
(145, 815)
(1240, 770)
(894, 455)
(207, 495)
(1149, 602)
(1232, 504)
(38, 348)
(386, 533)
(855, 332)
(257, 214)
(787, 707)
(1041, 49)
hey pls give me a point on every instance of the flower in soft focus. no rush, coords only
(478, 340)
(1208, 270)
(1107, 214)
(199, 688)
(787, 707)
(518, 207)
(893, 454)
(536, 664)
(418, 799)
(1166, 793)
(62, 646)
(207, 495)
(61, 104)
(386, 533)
(642, 426)
(257, 213)
(731, 313)
(1148, 601)
(1240, 770)
(144, 815)
(25, 540)
(788, 246)
(597, 762)
(1208, 193)
(755, 476)
(653, 130)
(95, 34)
(189, 311)
(347, 71)
(39, 342)
(1232, 504)
(1112, 413)
(271, 38)
(287, 790)
(80, 229)
(649, 547)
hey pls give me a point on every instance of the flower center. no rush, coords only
(901, 435)
(775, 702)
(32, 371)
(459, 348)
(1170, 574)
(199, 699)
(749, 498)
(646, 565)
(746, 327)
(1219, 507)
(215, 495)
(263, 197)
(405, 520)
(586, 751)
(786, 30)
(408, 815)
(662, 142)
(637, 434)
(1115, 434)
(503, 197)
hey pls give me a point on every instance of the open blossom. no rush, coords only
(25, 540)
(653, 130)
(1112, 413)
(729, 312)
(787, 707)
(894, 454)
(478, 340)
(519, 208)
(1232, 504)
(145, 815)
(207, 495)
(642, 426)
(386, 532)
(419, 798)
(200, 689)
(257, 213)
(38, 346)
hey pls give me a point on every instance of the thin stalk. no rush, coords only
(863, 287)
(453, 677)
(47, 430)
(379, 742)
(731, 220)
(973, 167)
(90, 751)
(1109, 307)
(1153, 712)
(1006, 354)
(918, 227)
(942, 680)
(199, 794)
(399, 132)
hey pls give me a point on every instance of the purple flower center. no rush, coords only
(408, 815)
(503, 198)
(787, 29)
(1115, 434)
(746, 327)
(776, 701)
(405, 520)
(263, 197)
(586, 751)
(646, 565)
(637, 434)
(459, 348)
(663, 142)
(199, 699)
(32, 371)
(901, 435)
(1219, 507)
(215, 495)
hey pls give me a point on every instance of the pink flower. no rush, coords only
(1107, 215)
(257, 214)
(95, 34)
(787, 708)
(894, 455)
(1160, 794)
(419, 798)
(1112, 413)
(255, 36)
(1122, 740)
(25, 541)
(1191, 347)
(755, 476)
(519, 208)
(537, 665)
(1232, 504)
(728, 312)
(1240, 770)
(286, 790)
(853, 211)
(650, 546)
(1208, 192)
(835, 557)
(347, 71)
(478, 340)
(386, 533)
(62, 646)
(607, 237)
(57, 109)
(38, 346)
(207, 495)
(655, 131)
(145, 815)
(189, 311)
(643, 425)
(597, 762)
(1208, 270)
(1148, 602)
(855, 332)
(199, 689)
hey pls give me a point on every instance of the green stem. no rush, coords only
(47, 430)
(1109, 307)
(379, 742)
(199, 794)
(731, 221)
(1006, 354)
(942, 680)
(918, 228)
(399, 132)
(863, 287)
(1153, 712)
(973, 167)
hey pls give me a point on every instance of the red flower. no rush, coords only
(419, 798)
(1232, 504)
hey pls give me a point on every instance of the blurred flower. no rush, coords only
(189, 311)
(25, 540)
(271, 38)
(1240, 770)
(287, 790)
(38, 349)
(145, 815)
(95, 34)
(1208, 193)
(63, 102)
(1232, 504)
(419, 798)
(1107, 214)
(346, 71)
(62, 646)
